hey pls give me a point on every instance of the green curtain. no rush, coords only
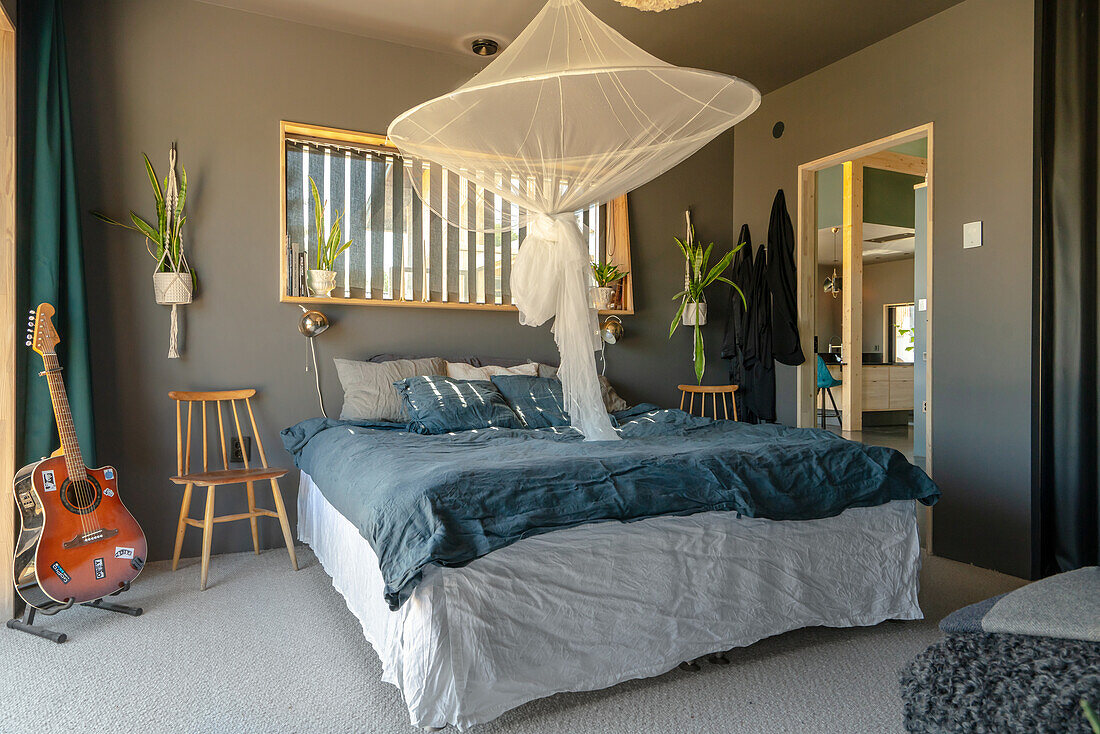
(49, 254)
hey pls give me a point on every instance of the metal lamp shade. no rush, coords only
(612, 330)
(312, 323)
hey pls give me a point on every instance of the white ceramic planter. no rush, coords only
(321, 282)
(695, 313)
(601, 297)
(172, 289)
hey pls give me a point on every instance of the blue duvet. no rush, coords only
(451, 498)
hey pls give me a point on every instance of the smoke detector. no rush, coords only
(484, 46)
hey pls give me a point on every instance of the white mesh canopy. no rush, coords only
(569, 115)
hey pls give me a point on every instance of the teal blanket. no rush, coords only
(452, 498)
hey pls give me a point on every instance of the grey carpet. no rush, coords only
(264, 649)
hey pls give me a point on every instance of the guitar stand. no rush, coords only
(26, 624)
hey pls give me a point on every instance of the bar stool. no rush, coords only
(714, 391)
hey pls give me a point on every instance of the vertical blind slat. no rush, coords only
(397, 228)
(295, 233)
(436, 245)
(471, 243)
(377, 225)
(406, 235)
(315, 168)
(416, 239)
(358, 228)
(451, 200)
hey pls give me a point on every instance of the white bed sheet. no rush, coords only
(592, 606)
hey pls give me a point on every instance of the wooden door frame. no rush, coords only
(875, 154)
(8, 322)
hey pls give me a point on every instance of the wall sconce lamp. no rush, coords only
(612, 330)
(311, 324)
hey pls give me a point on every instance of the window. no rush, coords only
(403, 253)
(900, 333)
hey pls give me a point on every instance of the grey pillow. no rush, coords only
(612, 403)
(369, 393)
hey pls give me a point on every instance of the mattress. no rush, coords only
(587, 607)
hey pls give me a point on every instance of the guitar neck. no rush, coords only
(74, 462)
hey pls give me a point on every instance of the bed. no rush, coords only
(689, 537)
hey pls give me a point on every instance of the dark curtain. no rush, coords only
(1068, 455)
(49, 254)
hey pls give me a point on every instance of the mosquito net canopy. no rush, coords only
(569, 115)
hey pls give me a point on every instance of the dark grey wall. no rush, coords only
(968, 70)
(218, 81)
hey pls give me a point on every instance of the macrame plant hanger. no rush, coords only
(172, 287)
(569, 115)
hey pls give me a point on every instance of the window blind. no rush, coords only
(401, 248)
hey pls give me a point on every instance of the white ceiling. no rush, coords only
(767, 42)
(873, 252)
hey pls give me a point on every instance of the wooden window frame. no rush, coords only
(618, 233)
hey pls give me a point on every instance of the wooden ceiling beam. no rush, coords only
(888, 160)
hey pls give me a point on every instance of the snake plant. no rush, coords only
(164, 240)
(328, 248)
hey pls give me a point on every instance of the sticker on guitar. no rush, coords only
(122, 552)
(49, 484)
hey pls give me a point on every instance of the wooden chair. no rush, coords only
(714, 391)
(213, 479)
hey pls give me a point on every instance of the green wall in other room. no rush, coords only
(887, 197)
(227, 80)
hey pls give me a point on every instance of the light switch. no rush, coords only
(972, 235)
(922, 304)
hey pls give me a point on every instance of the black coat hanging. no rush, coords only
(783, 284)
(733, 346)
(759, 364)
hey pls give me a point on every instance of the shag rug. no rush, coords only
(991, 682)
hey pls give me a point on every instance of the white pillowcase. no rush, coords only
(463, 371)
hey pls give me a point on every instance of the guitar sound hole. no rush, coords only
(80, 496)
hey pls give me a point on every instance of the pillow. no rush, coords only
(463, 371)
(368, 386)
(441, 405)
(475, 361)
(612, 403)
(536, 400)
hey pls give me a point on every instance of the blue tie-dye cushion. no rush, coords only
(536, 400)
(438, 404)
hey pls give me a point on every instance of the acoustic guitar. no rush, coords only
(78, 542)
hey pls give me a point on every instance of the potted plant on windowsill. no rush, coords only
(693, 303)
(322, 279)
(606, 275)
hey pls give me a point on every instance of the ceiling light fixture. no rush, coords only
(484, 46)
(655, 5)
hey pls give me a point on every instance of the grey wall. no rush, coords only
(884, 282)
(218, 81)
(968, 70)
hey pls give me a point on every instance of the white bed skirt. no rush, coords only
(588, 607)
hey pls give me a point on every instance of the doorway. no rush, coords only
(865, 265)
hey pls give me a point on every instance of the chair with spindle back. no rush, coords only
(714, 391)
(212, 479)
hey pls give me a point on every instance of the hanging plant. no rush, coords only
(173, 280)
(693, 303)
